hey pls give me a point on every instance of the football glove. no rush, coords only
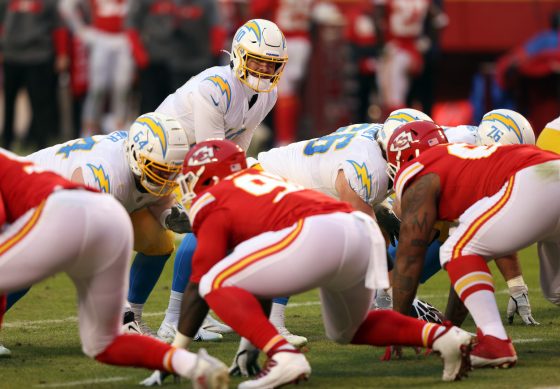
(388, 221)
(519, 303)
(425, 311)
(178, 221)
(157, 378)
(245, 363)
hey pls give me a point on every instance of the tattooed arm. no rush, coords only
(418, 214)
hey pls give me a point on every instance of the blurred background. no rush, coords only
(350, 61)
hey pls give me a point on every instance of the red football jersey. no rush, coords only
(108, 15)
(247, 204)
(23, 185)
(468, 173)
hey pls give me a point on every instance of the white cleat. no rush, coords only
(295, 340)
(213, 325)
(209, 372)
(454, 347)
(5, 352)
(282, 368)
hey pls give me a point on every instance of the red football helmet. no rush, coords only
(207, 163)
(409, 140)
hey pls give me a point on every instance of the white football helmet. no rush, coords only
(505, 127)
(156, 147)
(395, 120)
(259, 40)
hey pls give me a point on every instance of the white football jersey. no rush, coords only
(215, 104)
(104, 165)
(315, 163)
(462, 134)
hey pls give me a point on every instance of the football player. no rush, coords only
(497, 190)
(138, 168)
(502, 126)
(110, 65)
(225, 102)
(289, 229)
(50, 224)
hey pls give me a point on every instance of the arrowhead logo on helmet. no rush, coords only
(409, 140)
(207, 163)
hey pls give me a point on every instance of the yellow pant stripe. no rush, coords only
(256, 256)
(22, 233)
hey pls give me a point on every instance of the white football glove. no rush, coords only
(157, 378)
(245, 363)
(519, 303)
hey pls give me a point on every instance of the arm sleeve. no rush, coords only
(212, 244)
(209, 107)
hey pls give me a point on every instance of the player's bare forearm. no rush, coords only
(456, 311)
(419, 212)
(509, 266)
(193, 311)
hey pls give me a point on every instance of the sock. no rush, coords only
(137, 309)
(144, 274)
(173, 308)
(182, 268)
(137, 351)
(14, 297)
(277, 316)
(386, 328)
(234, 305)
(285, 119)
(183, 362)
(473, 282)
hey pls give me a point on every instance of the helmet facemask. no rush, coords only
(257, 80)
(158, 178)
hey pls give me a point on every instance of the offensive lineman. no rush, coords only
(138, 168)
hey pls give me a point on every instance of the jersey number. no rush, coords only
(263, 183)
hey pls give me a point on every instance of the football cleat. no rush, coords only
(454, 346)
(493, 352)
(130, 326)
(295, 340)
(213, 325)
(284, 367)
(5, 352)
(209, 372)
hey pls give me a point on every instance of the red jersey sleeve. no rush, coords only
(212, 243)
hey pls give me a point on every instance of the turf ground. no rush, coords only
(41, 330)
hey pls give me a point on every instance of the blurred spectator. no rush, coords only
(34, 51)
(530, 73)
(293, 18)
(538, 57)
(400, 25)
(110, 62)
(422, 88)
(360, 32)
(172, 40)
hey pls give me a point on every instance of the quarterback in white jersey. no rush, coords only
(230, 101)
(317, 163)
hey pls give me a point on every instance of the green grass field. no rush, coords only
(42, 333)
